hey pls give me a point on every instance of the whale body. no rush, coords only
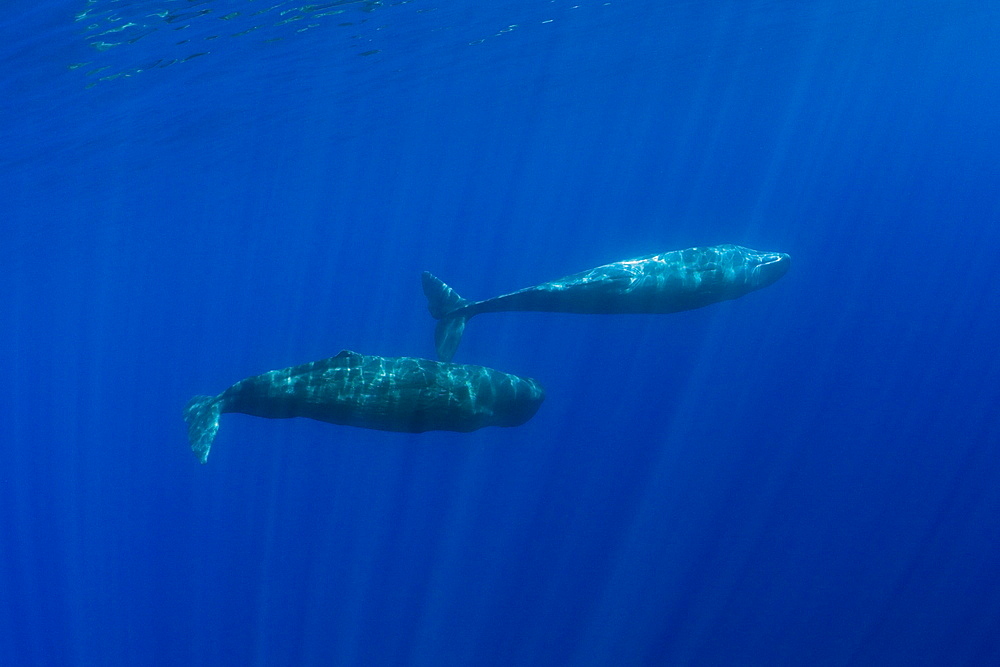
(664, 283)
(404, 394)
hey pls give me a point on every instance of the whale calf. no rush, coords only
(386, 393)
(665, 283)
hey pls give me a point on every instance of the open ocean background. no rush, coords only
(195, 191)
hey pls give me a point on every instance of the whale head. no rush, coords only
(516, 400)
(765, 268)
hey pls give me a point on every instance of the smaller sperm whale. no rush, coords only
(404, 394)
(666, 283)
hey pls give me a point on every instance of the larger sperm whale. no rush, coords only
(386, 393)
(665, 283)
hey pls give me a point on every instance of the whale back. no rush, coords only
(406, 394)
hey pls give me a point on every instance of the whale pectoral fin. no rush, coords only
(604, 279)
(616, 278)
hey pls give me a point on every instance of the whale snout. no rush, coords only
(770, 267)
(518, 402)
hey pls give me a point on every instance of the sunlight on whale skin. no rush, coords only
(404, 394)
(664, 283)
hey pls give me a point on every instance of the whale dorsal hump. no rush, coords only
(347, 358)
(343, 359)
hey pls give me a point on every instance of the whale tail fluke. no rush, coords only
(202, 417)
(447, 336)
(443, 301)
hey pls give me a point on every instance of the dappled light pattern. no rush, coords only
(128, 37)
(665, 283)
(132, 37)
(540, 15)
(405, 394)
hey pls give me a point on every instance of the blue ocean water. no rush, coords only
(198, 191)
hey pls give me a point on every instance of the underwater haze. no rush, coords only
(198, 191)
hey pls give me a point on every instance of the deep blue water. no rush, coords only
(809, 475)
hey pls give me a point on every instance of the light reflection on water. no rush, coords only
(167, 32)
(130, 37)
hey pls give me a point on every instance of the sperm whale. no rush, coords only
(405, 394)
(664, 283)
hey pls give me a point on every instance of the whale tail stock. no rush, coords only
(443, 301)
(202, 417)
